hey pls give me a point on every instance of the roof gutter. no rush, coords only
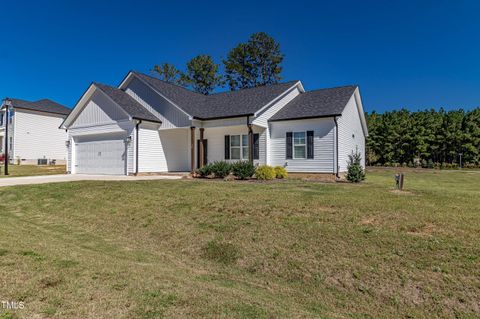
(306, 117)
(141, 119)
(41, 111)
(222, 117)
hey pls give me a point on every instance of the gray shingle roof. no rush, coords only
(318, 103)
(44, 105)
(217, 105)
(127, 103)
(242, 102)
(188, 100)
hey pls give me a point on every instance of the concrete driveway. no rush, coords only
(44, 179)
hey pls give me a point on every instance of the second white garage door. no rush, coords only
(101, 155)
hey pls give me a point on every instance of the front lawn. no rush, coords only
(32, 170)
(197, 248)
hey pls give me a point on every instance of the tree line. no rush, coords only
(253, 63)
(426, 138)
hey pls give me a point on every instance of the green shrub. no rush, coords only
(265, 172)
(280, 172)
(243, 169)
(355, 173)
(221, 169)
(205, 171)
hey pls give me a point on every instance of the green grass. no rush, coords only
(32, 170)
(201, 248)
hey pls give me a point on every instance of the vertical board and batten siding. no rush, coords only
(216, 142)
(101, 118)
(37, 135)
(163, 150)
(323, 145)
(262, 119)
(168, 113)
(350, 134)
(98, 111)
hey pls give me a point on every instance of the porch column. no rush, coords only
(250, 143)
(192, 148)
(202, 149)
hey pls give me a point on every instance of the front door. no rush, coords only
(205, 148)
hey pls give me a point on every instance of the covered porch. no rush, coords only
(209, 143)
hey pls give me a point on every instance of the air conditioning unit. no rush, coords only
(42, 161)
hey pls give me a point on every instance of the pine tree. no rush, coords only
(254, 63)
(202, 75)
(167, 72)
(355, 172)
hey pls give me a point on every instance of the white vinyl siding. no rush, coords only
(37, 135)
(216, 142)
(262, 119)
(168, 113)
(151, 156)
(163, 150)
(350, 134)
(323, 145)
(99, 110)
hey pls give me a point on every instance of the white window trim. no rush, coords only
(241, 146)
(304, 145)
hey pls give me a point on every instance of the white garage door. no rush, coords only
(101, 155)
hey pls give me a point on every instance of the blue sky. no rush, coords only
(413, 54)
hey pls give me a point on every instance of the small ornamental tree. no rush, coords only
(355, 172)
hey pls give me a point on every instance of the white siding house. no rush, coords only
(34, 132)
(323, 145)
(147, 125)
(351, 131)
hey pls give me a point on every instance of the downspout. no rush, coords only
(335, 158)
(136, 146)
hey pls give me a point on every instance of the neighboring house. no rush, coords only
(34, 136)
(148, 125)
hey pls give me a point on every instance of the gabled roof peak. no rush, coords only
(218, 105)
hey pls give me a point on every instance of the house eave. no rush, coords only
(306, 117)
(222, 117)
(40, 111)
(146, 120)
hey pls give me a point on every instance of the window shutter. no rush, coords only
(288, 145)
(227, 147)
(310, 144)
(256, 146)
